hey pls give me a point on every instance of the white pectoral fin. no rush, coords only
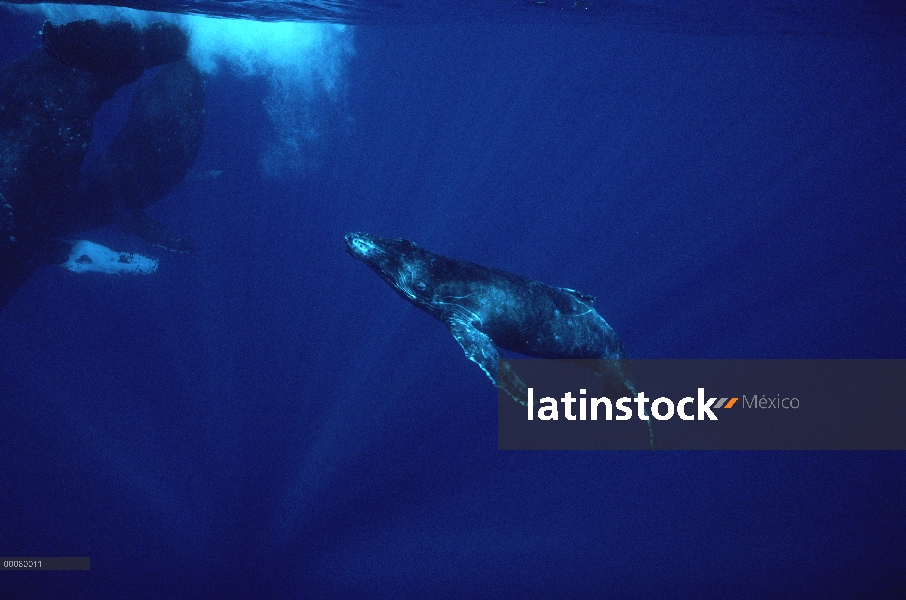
(480, 349)
(88, 256)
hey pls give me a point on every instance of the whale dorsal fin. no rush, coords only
(480, 349)
(580, 295)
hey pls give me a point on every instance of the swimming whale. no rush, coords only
(150, 156)
(48, 100)
(486, 309)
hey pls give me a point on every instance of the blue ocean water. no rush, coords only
(266, 418)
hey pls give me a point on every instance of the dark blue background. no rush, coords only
(267, 417)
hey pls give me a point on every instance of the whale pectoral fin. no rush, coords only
(87, 256)
(138, 223)
(511, 384)
(478, 347)
(481, 350)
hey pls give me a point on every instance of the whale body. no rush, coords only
(48, 100)
(486, 309)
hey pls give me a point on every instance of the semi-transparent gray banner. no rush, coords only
(703, 405)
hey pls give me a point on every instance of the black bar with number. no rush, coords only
(44, 563)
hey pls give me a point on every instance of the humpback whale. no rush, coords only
(150, 156)
(486, 309)
(48, 100)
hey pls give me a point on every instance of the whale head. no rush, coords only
(401, 263)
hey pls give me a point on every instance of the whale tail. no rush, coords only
(634, 393)
(617, 375)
